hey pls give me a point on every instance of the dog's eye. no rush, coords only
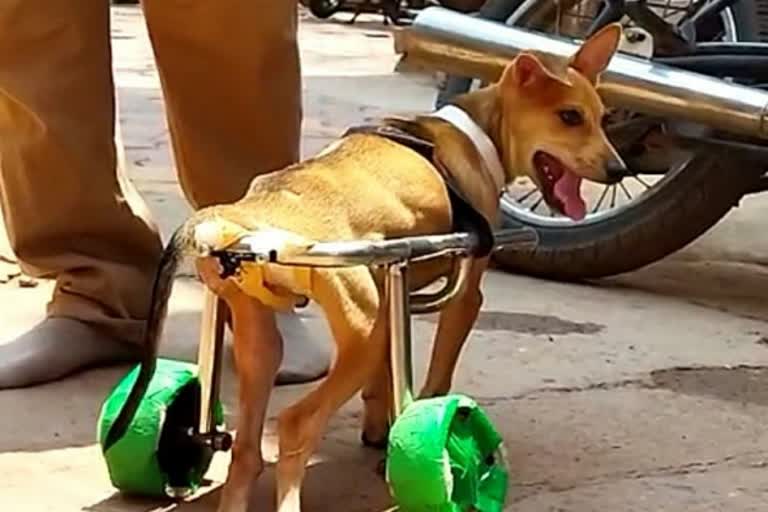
(571, 117)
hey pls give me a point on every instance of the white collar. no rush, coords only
(485, 146)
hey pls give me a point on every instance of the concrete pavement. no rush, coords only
(646, 392)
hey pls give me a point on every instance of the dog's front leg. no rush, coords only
(258, 353)
(456, 321)
(377, 400)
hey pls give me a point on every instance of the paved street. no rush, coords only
(646, 392)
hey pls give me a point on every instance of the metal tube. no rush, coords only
(443, 39)
(400, 336)
(422, 303)
(365, 252)
(373, 252)
(209, 358)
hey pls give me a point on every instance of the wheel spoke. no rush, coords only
(641, 181)
(613, 196)
(600, 201)
(537, 203)
(626, 192)
(528, 194)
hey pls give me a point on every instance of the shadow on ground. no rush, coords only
(738, 288)
(740, 384)
(359, 491)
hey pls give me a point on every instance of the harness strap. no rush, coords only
(466, 219)
(485, 146)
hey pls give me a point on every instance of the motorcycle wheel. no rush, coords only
(684, 203)
(324, 8)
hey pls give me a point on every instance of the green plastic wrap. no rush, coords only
(134, 464)
(443, 456)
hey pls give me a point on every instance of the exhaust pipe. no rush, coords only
(463, 45)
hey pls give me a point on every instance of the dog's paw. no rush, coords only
(375, 442)
(375, 431)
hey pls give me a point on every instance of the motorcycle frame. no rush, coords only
(745, 63)
(392, 10)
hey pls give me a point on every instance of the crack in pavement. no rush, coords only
(533, 394)
(750, 460)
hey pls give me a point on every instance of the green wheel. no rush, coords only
(156, 456)
(444, 455)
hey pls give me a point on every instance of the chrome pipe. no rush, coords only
(365, 252)
(456, 43)
(400, 336)
(379, 252)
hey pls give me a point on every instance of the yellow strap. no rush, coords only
(251, 279)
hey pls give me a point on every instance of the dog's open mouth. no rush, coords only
(560, 186)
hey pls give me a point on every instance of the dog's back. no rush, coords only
(363, 187)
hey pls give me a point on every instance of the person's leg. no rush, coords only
(68, 214)
(232, 84)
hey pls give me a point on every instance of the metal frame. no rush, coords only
(393, 255)
(209, 358)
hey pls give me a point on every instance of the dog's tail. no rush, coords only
(206, 230)
(173, 255)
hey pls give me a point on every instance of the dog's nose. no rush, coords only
(615, 169)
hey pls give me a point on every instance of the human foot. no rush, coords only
(57, 347)
(306, 353)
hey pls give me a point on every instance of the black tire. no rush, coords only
(747, 16)
(324, 8)
(669, 218)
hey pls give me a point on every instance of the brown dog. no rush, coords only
(539, 119)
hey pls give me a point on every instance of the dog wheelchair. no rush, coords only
(443, 454)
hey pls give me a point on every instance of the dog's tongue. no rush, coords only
(568, 191)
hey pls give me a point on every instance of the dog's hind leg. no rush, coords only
(351, 302)
(258, 353)
(455, 323)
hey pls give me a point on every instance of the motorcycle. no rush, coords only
(689, 114)
(399, 12)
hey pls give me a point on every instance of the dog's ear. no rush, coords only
(596, 52)
(526, 70)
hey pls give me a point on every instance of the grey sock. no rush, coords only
(306, 349)
(57, 347)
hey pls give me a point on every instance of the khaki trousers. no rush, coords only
(231, 81)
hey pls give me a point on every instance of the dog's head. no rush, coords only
(554, 116)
